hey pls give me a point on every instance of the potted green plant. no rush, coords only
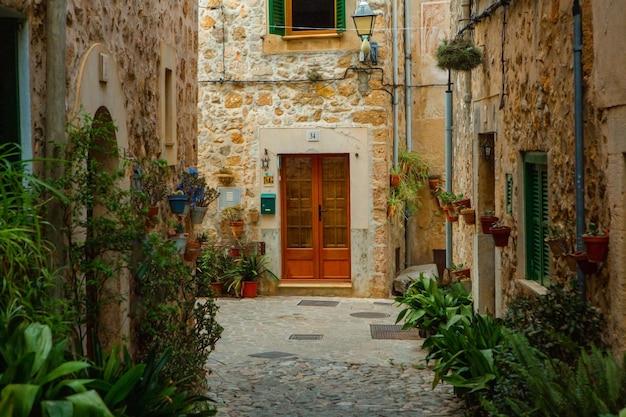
(179, 237)
(460, 271)
(201, 203)
(558, 239)
(445, 199)
(458, 54)
(596, 242)
(433, 182)
(225, 176)
(153, 176)
(234, 216)
(468, 214)
(395, 175)
(249, 268)
(211, 268)
(178, 202)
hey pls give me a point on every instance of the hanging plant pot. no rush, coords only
(461, 274)
(236, 228)
(181, 243)
(249, 289)
(586, 267)
(458, 54)
(253, 216)
(451, 215)
(192, 251)
(500, 235)
(197, 214)
(597, 247)
(394, 180)
(557, 245)
(486, 222)
(433, 182)
(177, 203)
(225, 179)
(464, 202)
(469, 215)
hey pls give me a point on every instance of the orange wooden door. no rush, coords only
(316, 223)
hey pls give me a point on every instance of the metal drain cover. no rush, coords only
(272, 355)
(318, 303)
(306, 337)
(370, 315)
(393, 332)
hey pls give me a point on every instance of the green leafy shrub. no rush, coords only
(559, 323)
(141, 390)
(168, 315)
(212, 266)
(464, 351)
(35, 377)
(595, 386)
(427, 306)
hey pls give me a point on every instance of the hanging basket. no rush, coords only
(486, 222)
(458, 54)
(584, 263)
(469, 215)
(197, 214)
(597, 247)
(177, 203)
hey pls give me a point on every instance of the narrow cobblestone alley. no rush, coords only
(311, 356)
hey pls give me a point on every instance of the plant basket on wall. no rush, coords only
(486, 222)
(597, 247)
(500, 235)
(236, 228)
(469, 215)
(586, 266)
(458, 54)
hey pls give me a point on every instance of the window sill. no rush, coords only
(311, 36)
(532, 287)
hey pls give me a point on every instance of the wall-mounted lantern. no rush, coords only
(364, 19)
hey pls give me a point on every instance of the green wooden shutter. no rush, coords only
(277, 17)
(536, 196)
(341, 15)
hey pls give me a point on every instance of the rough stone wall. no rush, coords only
(524, 92)
(133, 32)
(249, 81)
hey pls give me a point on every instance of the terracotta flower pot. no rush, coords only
(394, 180)
(433, 183)
(597, 247)
(500, 235)
(249, 289)
(586, 267)
(461, 273)
(236, 228)
(217, 288)
(469, 215)
(486, 222)
(451, 215)
(464, 202)
(192, 251)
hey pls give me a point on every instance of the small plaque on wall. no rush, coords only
(268, 179)
(313, 135)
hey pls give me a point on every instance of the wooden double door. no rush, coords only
(315, 224)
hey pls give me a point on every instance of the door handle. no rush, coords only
(319, 212)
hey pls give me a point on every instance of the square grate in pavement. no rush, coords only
(393, 332)
(318, 303)
(272, 355)
(306, 337)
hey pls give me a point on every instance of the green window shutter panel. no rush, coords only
(277, 17)
(341, 15)
(537, 251)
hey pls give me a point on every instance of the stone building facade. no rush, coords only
(135, 62)
(522, 101)
(263, 95)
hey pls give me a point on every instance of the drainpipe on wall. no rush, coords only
(55, 109)
(578, 135)
(396, 116)
(448, 118)
(407, 109)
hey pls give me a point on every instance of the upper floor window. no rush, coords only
(295, 18)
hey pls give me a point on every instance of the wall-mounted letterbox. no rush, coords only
(268, 203)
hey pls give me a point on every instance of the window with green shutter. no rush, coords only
(306, 18)
(536, 217)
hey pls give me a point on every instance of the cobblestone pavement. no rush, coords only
(293, 372)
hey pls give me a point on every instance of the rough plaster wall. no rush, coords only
(133, 32)
(538, 114)
(232, 37)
